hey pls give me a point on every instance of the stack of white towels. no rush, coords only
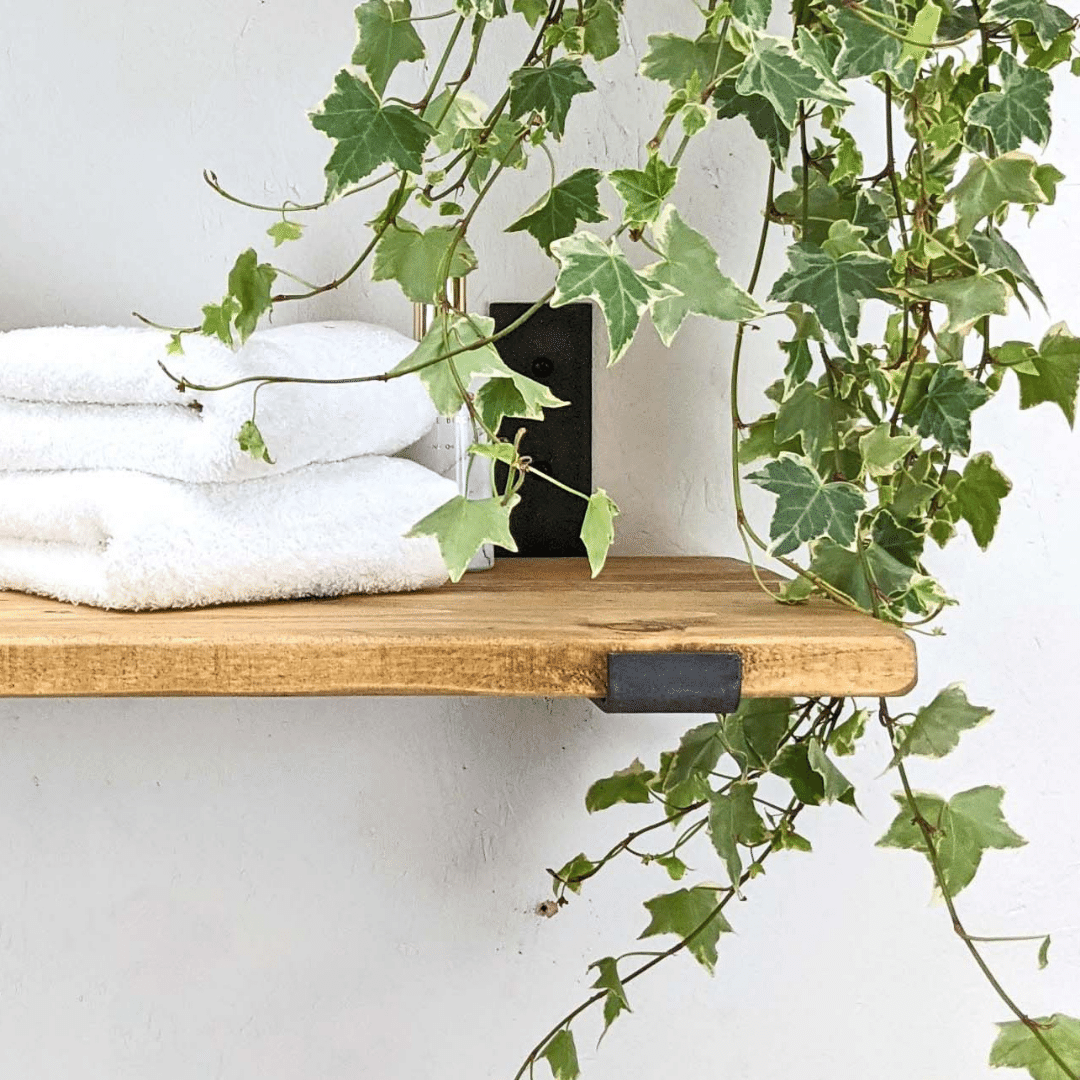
(120, 491)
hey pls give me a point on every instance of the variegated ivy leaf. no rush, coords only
(1056, 374)
(994, 252)
(832, 281)
(774, 70)
(483, 9)
(690, 268)
(548, 91)
(943, 411)
(923, 29)
(882, 451)
(281, 232)
(806, 506)
(969, 824)
(367, 133)
(978, 496)
(967, 299)
(590, 269)
(514, 395)
(1047, 20)
(251, 442)
(753, 13)
(598, 529)
(733, 823)
(602, 29)
(629, 785)
(250, 283)
(937, 727)
(452, 333)
(991, 183)
(421, 262)
(866, 50)
(454, 116)
(387, 38)
(463, 526)
(1019, 110)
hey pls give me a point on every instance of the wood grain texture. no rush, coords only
(528, 628)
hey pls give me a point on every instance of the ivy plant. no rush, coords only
(870, 444)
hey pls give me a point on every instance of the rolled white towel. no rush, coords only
(95, 398)
(129, 541)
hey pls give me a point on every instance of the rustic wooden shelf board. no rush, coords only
(528, 628)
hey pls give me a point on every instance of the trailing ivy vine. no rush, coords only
(868, 448)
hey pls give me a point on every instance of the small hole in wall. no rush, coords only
(547, 908)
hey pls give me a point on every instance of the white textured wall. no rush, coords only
(274, 890)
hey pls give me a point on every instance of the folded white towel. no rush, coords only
(95, 398)
(126, 540)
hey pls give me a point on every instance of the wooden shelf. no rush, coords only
(528, 628)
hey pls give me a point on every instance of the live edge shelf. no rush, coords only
(528, 628)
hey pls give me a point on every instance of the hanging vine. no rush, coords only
(869, 447)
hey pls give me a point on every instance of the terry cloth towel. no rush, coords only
(130, 541)
(95, 398)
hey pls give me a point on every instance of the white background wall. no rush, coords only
(276, 890)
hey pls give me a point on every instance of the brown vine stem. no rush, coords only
(792, 812)
(928, 832)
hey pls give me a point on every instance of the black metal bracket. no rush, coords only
(672, 682)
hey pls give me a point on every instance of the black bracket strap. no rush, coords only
(672, 682)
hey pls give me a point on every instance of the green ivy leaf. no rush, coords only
(844, 570)
(832, 285)
(578, 867)
(1057, 373)
(835, 786)
(558, 213)
(281, 232)
(608, 979)
(937, 727)
(1019, 110)
(561, 1054)
(967, 299)
(699, 751)
(969, 824)
(698, 287)
(387, 38)
(764, 120)
(217, 320)
(514, 395)
(590, 269)
(482, 9)
(675, 867)
(676, 60)
(598, 528)
(420, 262)
(1047, 20)
(456, 118)
(251, 442)
(533, 10)
(644, 191)
(944, 410)
(753, 13)
(1017, 1047)
(175, 346)
(684, 913)
(733, 823)
(629, 785)
(548, 91)
(602, 30)
(250, 283)
(463, 526)
(1044, 953)
(806, 506)
(994, 252)
(978, 497)
(452, 332)
(990, 184)
(367, 133)
(775, 71)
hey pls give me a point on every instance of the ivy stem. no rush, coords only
(928, 833)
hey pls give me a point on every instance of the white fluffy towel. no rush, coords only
(95, 398)
(130, 541)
